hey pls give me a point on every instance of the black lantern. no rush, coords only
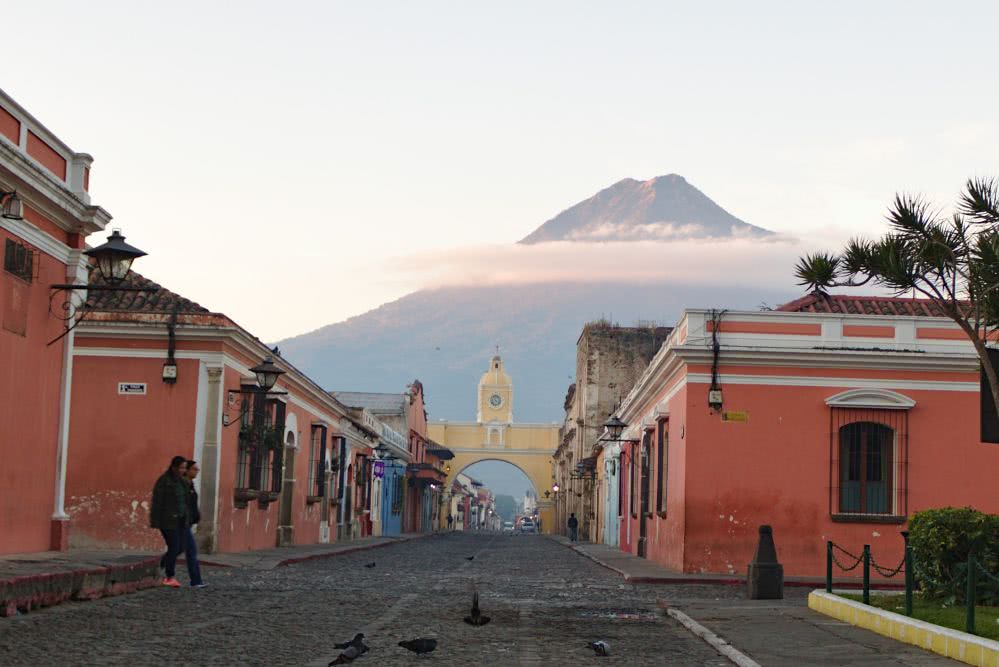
(13, 208)
(615, 427)
(267, 374)
(114, 258)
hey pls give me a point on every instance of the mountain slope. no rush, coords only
(663, 208)
(446, 336)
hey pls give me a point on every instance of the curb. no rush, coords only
(724, 581)
(349, 550)
(717, 643)
(34, 591)
(953, 644)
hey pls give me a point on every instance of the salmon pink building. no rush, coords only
(46, 218)
(831, 418)
(157, 375)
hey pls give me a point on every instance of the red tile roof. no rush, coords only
(863, 305)
(160, 300)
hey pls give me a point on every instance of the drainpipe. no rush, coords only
(76, 273)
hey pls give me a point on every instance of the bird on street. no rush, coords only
(420, 645)
(469, 557)
(348, 655)
(476, 618)
(357, 641)
(600, 648)
(369, 565)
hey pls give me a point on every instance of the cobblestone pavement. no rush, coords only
(546, 603)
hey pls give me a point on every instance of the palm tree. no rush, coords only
(954, 262)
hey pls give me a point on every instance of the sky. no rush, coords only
(298, 163)
(501, 478)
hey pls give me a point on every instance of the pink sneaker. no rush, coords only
(171, 582)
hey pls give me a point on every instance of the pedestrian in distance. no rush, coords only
(168, 514)
(193, 516)
(450, 520)
(573, 524)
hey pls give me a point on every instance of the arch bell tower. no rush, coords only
(495, 394)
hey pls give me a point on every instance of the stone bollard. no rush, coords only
(766, 575)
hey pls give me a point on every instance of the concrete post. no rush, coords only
(208, 527)
(766, 575)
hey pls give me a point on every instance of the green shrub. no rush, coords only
(941, 540)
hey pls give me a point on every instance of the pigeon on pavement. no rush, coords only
(419, 645)
(348, 655)
(476, 618)
(357, 641)
(469, 557)
(600, 648)
(371, 564)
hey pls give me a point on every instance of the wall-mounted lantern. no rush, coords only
(11, 206)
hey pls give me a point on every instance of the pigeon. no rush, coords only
(347, 656)
(369, 565)
(600, 648)
(469, 557)
(476, 618)
(357, 641)
(420, 645)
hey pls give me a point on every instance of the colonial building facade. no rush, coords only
(832, 418)
(46, 218)
(609, 359)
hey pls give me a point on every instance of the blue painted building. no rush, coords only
(393, 496)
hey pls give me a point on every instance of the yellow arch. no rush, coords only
(528, 447)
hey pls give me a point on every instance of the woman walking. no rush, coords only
(168, 513)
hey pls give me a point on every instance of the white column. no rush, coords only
(76, 273)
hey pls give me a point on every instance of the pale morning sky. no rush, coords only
(295, 163)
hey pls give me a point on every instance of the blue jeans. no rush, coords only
(191, 556)
(174, 539)
(573, 532)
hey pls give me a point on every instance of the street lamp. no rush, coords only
(114, 258)
(615, 427)
(267, 374)
(555, 487)
(114, 262)
(13, 207)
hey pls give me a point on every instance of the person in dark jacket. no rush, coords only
(193, 516)
(168, 513)
(573, 524)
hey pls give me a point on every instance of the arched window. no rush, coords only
(867, 463)
(868, 454)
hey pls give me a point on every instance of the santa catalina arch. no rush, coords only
(494, 436)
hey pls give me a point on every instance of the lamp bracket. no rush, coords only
(72, 315)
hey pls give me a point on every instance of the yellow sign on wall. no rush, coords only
(735, 416)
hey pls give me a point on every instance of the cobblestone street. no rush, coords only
(546, 603)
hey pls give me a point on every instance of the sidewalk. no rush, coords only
(34, 580)
(641, 571)
(785, 633)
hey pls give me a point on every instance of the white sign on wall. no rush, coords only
(132, 388)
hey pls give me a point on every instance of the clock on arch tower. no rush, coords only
(495, 394)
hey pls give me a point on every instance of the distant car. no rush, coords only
(508, 527)
(527, 526)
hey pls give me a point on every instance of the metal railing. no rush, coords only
(966, 575)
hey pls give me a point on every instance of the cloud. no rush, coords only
(742, 261)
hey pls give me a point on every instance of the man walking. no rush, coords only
(194, 515)
(168, 513)
(573, 524)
